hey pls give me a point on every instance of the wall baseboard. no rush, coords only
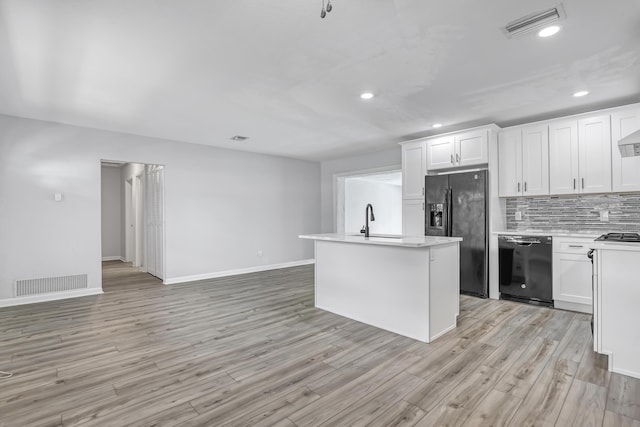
(113, 258)
(8, 302)
(204, 276)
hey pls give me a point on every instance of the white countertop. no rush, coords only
(403, 241)
(553, 233)
(616, 246)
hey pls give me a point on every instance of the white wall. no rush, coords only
(222, 206)
(111, 213)
(389, 159)
(386, 200)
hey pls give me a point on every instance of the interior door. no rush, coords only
(155, 220)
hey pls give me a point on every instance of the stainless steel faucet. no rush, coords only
(366, 219)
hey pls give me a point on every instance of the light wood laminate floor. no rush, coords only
(252, 350)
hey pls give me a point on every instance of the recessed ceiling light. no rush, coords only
(581, 93)
(437, 125)
(366, 95)
(548, 31)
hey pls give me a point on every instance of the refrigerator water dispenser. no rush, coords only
(436, 215)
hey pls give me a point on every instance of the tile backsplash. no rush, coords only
(579, 213)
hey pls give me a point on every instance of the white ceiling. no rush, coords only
(201, 71)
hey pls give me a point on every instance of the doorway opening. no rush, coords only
(383, 189)
(133, 215)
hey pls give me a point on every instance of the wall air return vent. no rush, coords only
(47, 285)
(533, 22)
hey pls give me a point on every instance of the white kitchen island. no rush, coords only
(406, 285)
(616, 292)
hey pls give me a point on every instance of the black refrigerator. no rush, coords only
(456, 205)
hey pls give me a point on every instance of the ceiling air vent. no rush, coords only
(239, 138)
(533, 22)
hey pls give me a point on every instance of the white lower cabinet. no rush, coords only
(413, 217)
(572, 274)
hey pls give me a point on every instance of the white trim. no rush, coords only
(8, 302)
(626, 372)
(450, 328)
(225, 273)
(113, 258)
(572, 306)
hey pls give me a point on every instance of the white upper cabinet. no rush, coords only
(579, 156)
(441, 152)
(594, 145)
(625, 170)
(510, 163)
(563, 157)
(413, 169)
(413, 217)
(462, 149)
(535, 160)
(471, 148)
(523, 161)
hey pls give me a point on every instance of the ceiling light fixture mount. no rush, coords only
(326, 10)
(239, 138)
(366, 95)
(534, 22)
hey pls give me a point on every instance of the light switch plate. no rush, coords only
(57, 197)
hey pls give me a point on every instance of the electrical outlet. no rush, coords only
(260, 252)
(604, 216)
(518, 216)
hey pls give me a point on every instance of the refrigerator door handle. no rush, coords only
(450, 213)
(446, 212)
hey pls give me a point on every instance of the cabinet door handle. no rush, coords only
(574, 183)
(423, 191)
(583, 183)
(576, 246)
(525, 186)
(457, 157)
(518, 187)
(452, 162)
(423, 208)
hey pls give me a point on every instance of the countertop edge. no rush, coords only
(382, 241)
(615, 246)
(549, 233)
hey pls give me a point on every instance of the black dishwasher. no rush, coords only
(525, 269)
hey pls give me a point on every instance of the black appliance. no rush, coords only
(456, 205)
(525, 269)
